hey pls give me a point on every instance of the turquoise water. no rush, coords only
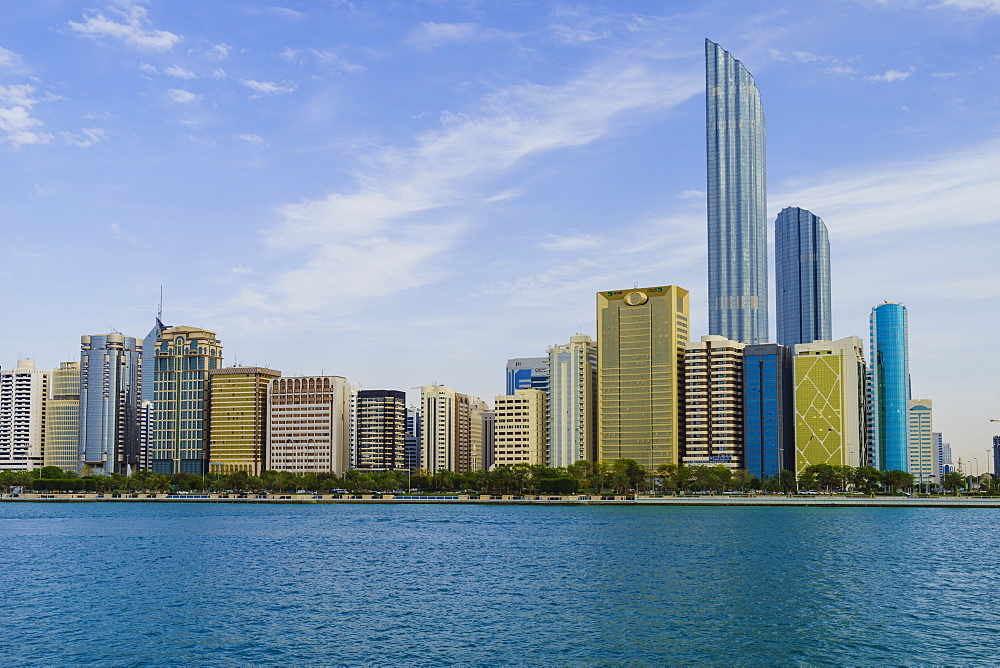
(216, 584)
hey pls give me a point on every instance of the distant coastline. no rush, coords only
(823, 501)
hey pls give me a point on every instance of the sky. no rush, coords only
(410, 193)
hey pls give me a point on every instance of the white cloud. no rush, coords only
(218, 52)
(431, 35)
(562, 243)
(134, 29)
(179, 72)
(17, 126)
(10, 60)
(891, 75)
(336, 61)
(249, 138)
(148, 69)
(840, 69)
(413, 205)
(86, 137)
(267, 87)
(991, 6)
(182, 96)
(119, 232)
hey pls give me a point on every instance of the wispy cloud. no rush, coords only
(17, 126)
(326, 57)
(218, 52)
(10, 60)
(559, 242)
(267, 87)
(131, 27)
(179, 72)
(85, 138)
(991, 6)
(182, 96)
(432, 35)
(412, 205)
(891, 75)
(249, 138)
(118, 232)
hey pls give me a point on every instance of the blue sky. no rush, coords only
(406, 193)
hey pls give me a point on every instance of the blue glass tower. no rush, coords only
(802, 277)
(527, 373)
(737, 200)
(768, 409)
(110, 380)
(890, 387)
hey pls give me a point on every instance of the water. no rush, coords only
(143, 584)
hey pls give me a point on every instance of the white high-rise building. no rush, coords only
(572, 405)
(23, 393)
(309, 425)
(921, 442)
(713, 402)
(451, 430)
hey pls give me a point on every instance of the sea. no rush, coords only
(213, 584)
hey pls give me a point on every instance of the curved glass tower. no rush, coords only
(737, 200)
(890, 387)
(110, 379)
(802, 277)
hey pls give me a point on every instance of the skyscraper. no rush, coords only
(380, 431)
(519, 430)
(527, 372)
(183, 357)
(309, 424)
(451, 430)
(713, 402)
(768, 409)
(737, 200)
(23, 391)
(921, 447)
(110, 387)
(413, 439)
(62, 418)
(237, 433)
(572, 405)
(829, 403)
(890, 387)
(641, 335)
(802, 277)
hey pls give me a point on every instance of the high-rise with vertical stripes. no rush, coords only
(737, 200)
(801, 277)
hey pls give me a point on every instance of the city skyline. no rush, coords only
(348, 179)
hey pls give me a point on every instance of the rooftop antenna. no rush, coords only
(635, 285)
(159, 308)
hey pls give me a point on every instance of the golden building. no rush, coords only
(519, 428)
(237, 431)
(641, 338)
(62, 418)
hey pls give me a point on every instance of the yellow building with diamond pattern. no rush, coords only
(829, 403)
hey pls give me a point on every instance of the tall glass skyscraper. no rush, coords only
(890, 387)
(768, 409)
(802, 277)
(110, 381)
(737, 201)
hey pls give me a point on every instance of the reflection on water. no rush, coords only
(152, 584)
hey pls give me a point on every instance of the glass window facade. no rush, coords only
(890, 387)
(802, 277)
(768, 409)
(737, 200)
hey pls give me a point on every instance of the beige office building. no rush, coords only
(641, 334)
(921, 442)
(519, 429)
(62, 418)
(713, 403)
(23, 393)
(237, 432)
(309, 425)
(452, 430)
(830, 378)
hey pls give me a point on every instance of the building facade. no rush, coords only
(380, 430)
(802, 277)
(451, 429)
(309, 425)
(641, 337)
(713, 402)
(62, 418)
(23, 393)
(737, 200)
(572, 402)
(183, 358)
(768, 409)
(943, 462)
(413, 439)
(921, 442)
(829, 403)
(890, 387)
(489, 439)
(237, 418)
(527, 372)
(110, 393)
(519, 430)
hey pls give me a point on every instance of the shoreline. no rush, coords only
(528, 500)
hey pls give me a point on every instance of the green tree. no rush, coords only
(896, 480)
(866, 479)
(51, 473)
(955, 481)
(787, 481)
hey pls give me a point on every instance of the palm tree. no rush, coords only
(954, 480)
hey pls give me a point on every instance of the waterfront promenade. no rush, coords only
(821, 500)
